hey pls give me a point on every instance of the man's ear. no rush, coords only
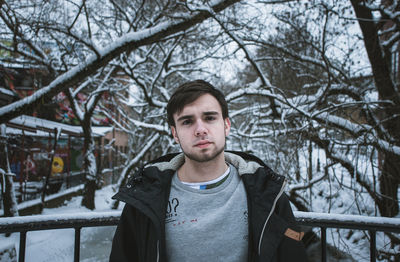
(227, 124)
(174, 134)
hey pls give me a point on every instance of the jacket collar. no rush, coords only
(247, 165)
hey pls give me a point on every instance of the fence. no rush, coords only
(96, 219)
(371, 224)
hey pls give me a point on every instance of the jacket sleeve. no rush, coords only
(124, 246)
(289, 248)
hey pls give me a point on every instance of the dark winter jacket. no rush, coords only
(140, 235)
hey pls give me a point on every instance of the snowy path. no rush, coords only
(58, 245)
(97, 246)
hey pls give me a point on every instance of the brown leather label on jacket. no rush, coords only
(294, 234)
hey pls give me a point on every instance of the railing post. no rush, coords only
(372, 243)
(22, 245)
(77, 244)
(323, 244)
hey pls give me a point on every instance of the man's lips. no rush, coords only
(202, 144)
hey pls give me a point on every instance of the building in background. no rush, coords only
(30, 138)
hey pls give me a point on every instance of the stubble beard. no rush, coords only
(204, 157)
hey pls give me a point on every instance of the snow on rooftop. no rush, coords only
(36, 123)
(38, 133)
(42, 124)
(102, 130)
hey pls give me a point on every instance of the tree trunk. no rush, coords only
(9, 199)
(390, 120)
(6, 178)
(389, 184)
(90, 167)
(46, 183)
(88, 194)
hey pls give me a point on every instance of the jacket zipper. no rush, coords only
(269, 215)
(158, 250)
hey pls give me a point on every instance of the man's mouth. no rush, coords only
(203, 144)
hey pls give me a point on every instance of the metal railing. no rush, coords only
(77, 221)
(96, 219)
(371, 224)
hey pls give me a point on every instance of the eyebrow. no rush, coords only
(207, 113)
(184, 118)
(210, 113)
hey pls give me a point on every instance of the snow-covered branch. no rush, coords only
(125, 43)
(128, 167)
(307, 184)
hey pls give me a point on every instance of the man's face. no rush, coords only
(200, 129)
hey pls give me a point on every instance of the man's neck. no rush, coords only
(192, 171)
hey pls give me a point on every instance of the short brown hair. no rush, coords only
(188, 93)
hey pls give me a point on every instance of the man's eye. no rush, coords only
(186, 122)
(210, 118)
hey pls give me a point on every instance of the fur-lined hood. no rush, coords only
(244, 166)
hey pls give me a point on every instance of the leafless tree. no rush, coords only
(309, 92)
(74, 40)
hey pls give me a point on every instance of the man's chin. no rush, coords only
(203, 156)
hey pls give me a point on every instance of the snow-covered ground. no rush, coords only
(58, 245)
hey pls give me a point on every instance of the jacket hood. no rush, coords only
(244, 163)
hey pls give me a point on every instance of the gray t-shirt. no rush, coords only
(207, 224)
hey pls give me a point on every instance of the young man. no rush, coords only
(205, 204)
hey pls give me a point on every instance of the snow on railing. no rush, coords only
(23, 224)
(384, 224)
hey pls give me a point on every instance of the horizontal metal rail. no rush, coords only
(381, 224)
(95, 219)
(45, 222)
(372, 224)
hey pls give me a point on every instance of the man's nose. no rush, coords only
(200, 129)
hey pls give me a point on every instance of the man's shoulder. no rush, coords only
(255, 172)
(170, 161)
(248, 157)
(249, 164)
